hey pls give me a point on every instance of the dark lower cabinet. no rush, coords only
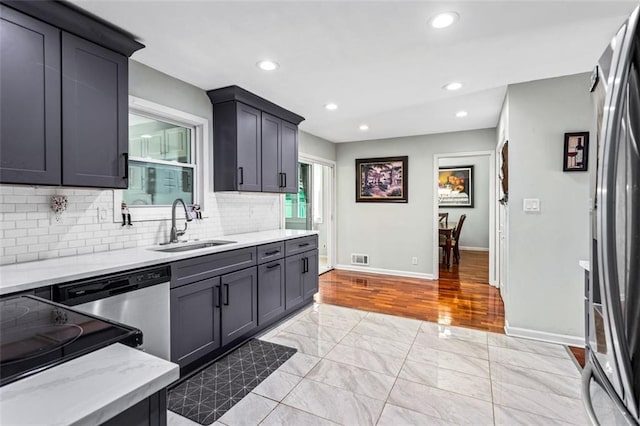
(30, 102)
(294, 267)
(310, 276)
(94, 115)
(301, 278)
(195, 320)
(151, 411)
(270, 291)
(239, 304)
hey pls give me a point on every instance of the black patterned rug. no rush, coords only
(211, 392)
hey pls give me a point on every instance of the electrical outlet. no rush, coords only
(414, 260)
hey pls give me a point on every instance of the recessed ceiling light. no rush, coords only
(453, 86)
(267, 65)
(145, 136)
(443, 20)
(331, 106)
(461, 114)
(364, 127)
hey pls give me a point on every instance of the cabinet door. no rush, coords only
(270, 291)
(310, 276)
(271, 134)
(239, 304)
(289, 157)
(195, 320)
(30, 101)
(249, 160)
(294, 295)
(154, 145)
(94, 115)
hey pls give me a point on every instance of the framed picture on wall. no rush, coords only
(455, 186)
(382, 180)
(576, 151)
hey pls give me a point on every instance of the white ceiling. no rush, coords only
(379, 61)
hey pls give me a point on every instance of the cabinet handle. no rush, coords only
(275, 265)
(306, 264)
(271, 253)
(126, 165)
(226, 298)
(284, 185)
(303, 245)
(280, 180)
(218, 295)
(241, 175)
(303, 265)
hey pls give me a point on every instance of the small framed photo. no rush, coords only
(455, 186)
(382, 180)
(576, 152)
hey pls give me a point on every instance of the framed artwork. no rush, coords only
(382, 180)
(576, 152)
(455, 186)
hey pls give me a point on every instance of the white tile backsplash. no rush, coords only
(30, 231)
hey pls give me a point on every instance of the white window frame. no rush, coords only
(200, 137)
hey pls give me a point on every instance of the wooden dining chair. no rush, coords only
(443, 217)
(456, 239)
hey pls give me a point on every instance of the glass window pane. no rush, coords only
(158, 184)
(157, 140)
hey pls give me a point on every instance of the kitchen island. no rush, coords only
(89, 390)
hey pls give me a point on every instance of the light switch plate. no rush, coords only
(531, 205)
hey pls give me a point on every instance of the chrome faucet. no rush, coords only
(175, 232)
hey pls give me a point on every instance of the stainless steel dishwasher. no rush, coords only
(138, 298)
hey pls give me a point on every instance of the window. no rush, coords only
(161, 164)
(168, 159)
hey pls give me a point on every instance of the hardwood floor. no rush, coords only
(461, 297)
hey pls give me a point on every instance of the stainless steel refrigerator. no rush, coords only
(611, 377)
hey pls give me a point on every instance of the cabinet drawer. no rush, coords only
(203, 267)
(269, 252)
(299, 245)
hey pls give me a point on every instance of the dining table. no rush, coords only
(446, 230)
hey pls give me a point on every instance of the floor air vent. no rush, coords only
(359, 259)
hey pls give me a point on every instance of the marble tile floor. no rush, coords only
(363, 368)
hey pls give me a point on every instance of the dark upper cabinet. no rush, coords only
(255, 143)
(289, 158)
(279, 155)
(239, 304)
(271, 153)
(270, 291)
(64, 103)
(94, 115)
(237, 152)
(30, 101)
(195, 320)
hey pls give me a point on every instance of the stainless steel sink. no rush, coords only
(178, 247)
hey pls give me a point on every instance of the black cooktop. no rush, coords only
(36, 334)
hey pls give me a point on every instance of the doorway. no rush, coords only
(312, 208)
(476, 201)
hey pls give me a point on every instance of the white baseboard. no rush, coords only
(527, 333)
(385, 271)
(474, 248)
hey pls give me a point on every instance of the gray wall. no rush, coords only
(394, 233)
(475, 231)
(545, 283)
(313, 145)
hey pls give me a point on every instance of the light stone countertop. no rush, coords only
(30, 275)
(585, 264)
(87, 390)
